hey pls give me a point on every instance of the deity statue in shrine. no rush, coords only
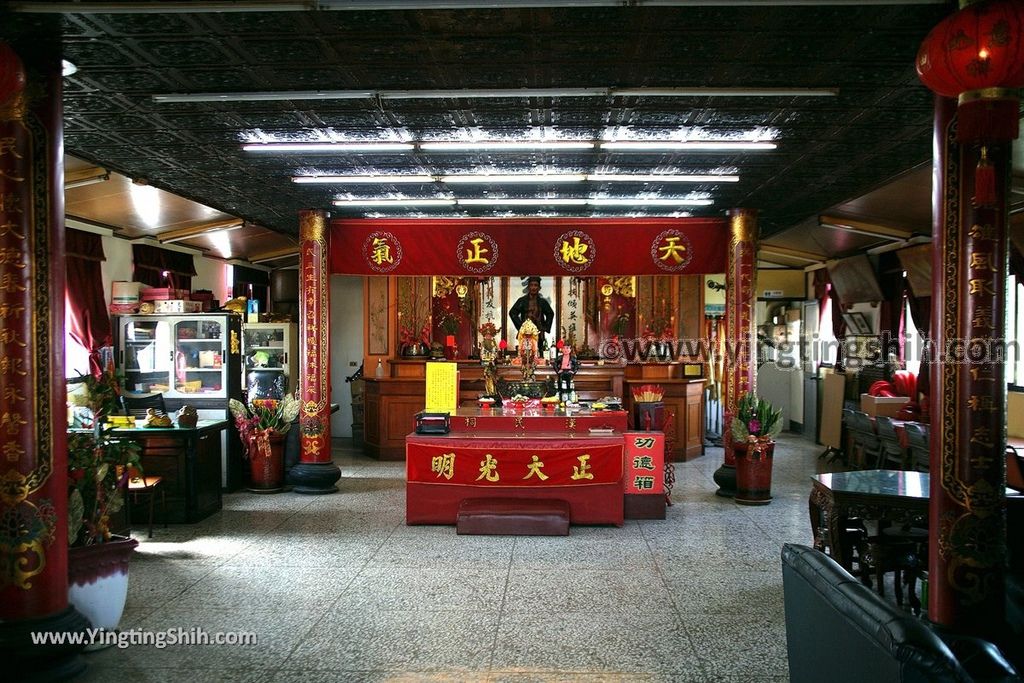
(533, 307)
(489, 354)
(529, 349)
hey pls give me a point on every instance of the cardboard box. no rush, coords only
(178, 306)
(161, 293)
(882, 405)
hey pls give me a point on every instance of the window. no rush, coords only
(1015, 332)
(826, 334)
(76, 356)
(913, 346)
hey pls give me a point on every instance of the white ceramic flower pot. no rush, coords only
(98, 581)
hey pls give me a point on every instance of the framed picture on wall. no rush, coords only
(377, 300)
(858, 323)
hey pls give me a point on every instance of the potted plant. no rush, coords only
(754, 428)
(415, 343)
(262, 426)
(98, 471)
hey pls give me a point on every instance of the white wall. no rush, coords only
(346, 344)
(210, 273)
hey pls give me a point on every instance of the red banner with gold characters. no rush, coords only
(556, 246)
(530, 462)
(645, 462)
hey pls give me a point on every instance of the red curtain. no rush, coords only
(150, 263)
(894, 288)
(88, 321)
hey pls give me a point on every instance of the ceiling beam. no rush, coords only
(284, 252)
(86, 6)
(795, 254)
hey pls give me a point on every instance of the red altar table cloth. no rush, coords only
(535, 421)
(444, 470)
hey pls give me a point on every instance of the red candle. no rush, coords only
(450, 340)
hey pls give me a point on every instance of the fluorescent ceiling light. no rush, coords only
(509, 93)
(88, 180)
(478, 178)
(394, 202)
(866, 233)
(653, 201)
(507, 146)
(329, 147)
(512, 145)
(660, 178)
(527, 201)
(523, 178)
(365, 179)
(85, 176)
(532, 201)
(211, 230)
(702, 145)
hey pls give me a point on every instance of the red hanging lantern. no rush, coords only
(977, 56)
(12, 74)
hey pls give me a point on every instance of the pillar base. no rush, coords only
(37, 663)
(313, 478)
(725, 477)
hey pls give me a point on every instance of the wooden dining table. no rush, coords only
(899, 496)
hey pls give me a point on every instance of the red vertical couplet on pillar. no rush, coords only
(740, 336)
(314, 361)
(33, 454)
(967, 521)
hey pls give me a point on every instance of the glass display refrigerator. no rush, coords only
(193, 359)
(269, 359)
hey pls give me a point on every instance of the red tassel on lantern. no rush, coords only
(984, 182)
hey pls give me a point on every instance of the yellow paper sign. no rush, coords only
(442, 387)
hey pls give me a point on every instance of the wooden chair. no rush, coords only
(136, 405)
(893, 455)
(917, 441)
(865, 441)
(140, 485)
(1014, 469)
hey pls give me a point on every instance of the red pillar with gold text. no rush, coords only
(33, 437)
(740, 336)
(967, 525)
(315, 472)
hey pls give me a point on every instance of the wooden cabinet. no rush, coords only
(390, 411)
(684, 406)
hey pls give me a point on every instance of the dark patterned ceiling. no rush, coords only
(830, 149)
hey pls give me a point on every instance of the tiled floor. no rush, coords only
(338, 588)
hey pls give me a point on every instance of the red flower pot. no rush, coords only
(754, 471)
(266, 463)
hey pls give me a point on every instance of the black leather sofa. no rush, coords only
(839, 630)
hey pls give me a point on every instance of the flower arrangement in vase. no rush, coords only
(262, 425)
